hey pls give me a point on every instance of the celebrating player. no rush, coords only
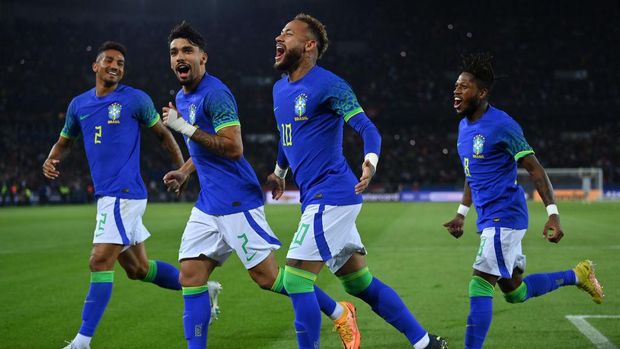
(311, 105)
(490, 144)
(229, 214)
(109, 118)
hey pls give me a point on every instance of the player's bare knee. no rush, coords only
(136, 271)
(100, 262)
(263, 281)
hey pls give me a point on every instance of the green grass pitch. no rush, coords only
(44, 277)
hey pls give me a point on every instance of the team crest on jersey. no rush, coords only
(300, 104)
(114, 113)
(192, 114)
(478, 146)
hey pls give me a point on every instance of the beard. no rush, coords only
(291, 60)
(472, 105)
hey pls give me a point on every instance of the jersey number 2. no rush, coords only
(98, 135)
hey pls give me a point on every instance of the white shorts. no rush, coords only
(247, 233)
(500, 252)
(327, 233)
(119, 221)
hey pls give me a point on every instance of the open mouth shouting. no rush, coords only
(458, 102)
(183, 70)
(280, 51)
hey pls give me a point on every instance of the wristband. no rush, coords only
(188, 130)
(462, 210)
(552, 209)
(280, 172)
(373, 159)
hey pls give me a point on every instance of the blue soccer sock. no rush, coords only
(300, 286)
(196, 316)
(96, 301)
(163, 275)
(326, 303)
(480, 312)
(385, 302)
(539, 284)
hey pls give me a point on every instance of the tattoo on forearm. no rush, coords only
(213, 143)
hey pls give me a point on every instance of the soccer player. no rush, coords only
(229, 214)
(109, 117)
(490, 144)
(311, 106)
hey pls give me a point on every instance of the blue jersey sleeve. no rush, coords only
(221, 107)
(71, 128)
(514, 141)
(147, 114)
(342, 100)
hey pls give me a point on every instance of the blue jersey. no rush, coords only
(111, 129)
(226, 186)
(489, 149)
(310, 114)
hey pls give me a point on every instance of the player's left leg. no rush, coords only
(138, 267)
(358, 281)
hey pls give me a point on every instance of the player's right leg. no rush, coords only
(202, 249)
(102, 259)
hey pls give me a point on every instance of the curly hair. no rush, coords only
(185, 31)
(479, 65)
(317, 29)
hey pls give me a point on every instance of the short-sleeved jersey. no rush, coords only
(110, 126)
(489, 149)
(310, 114)
(226, 186)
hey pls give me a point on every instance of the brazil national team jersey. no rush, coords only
(489, 149)
(226, 186)
(310, 114)
(110, 126)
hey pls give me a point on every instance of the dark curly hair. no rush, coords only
(479, 65)
(185, 31)
(317, 29)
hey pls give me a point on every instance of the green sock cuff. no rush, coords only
(518, 295)
(192, 290)
(298, 281)
(102, 276)
(479, 287)
(278, 284)
(150, 275)
(356, 282)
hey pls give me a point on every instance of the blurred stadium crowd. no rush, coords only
(557, 76)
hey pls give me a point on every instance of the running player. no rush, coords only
(311, 106)
(229, 214)
(490, 144)
(109, 117)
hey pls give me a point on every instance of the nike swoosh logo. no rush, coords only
(458, 144)
(276, 108)
(251, 257)
(82, 117)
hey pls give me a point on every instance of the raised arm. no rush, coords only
(59, 151)
(553, 230)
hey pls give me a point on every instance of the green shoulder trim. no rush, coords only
(102, 276)
(154, 121)
(65, 135)
(190, 291)
(523, 154)
(227, 124)
(352, 113)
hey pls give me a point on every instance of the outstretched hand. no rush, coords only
(455, 226)
(553, 231)
(49, 168)
(368, 170)
(176, 181)
(277, 186)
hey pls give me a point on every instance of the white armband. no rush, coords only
(373, 159)
(462, 210)
(552, 209)
(280, 172)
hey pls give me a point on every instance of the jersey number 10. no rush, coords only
(286, 134)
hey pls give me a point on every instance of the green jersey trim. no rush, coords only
(227, 124)
(523, 154)
(352, 113)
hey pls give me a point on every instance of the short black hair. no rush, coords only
(111, 45)
(185, 31)
(318, 30)
(479, 65)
